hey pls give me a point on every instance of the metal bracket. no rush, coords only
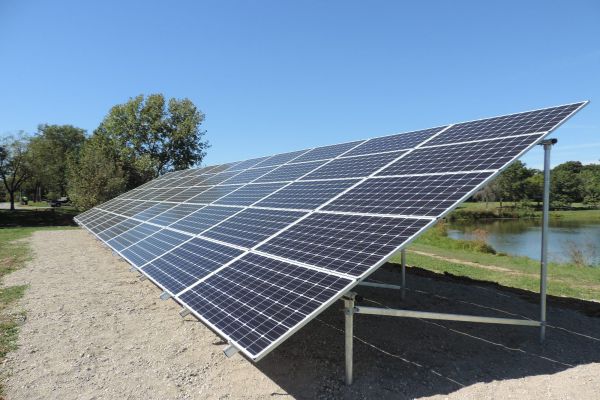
(390, 312)
(142, 278)
(165, 296)
(184, 312)
(230, 350)
(132, 269)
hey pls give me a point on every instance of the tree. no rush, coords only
(511, 182)
(566, 183)
(534, 186)
(14, 165)
(152, 137)
(488, 193)
(49, 152)
(590, 177)
(95, 174)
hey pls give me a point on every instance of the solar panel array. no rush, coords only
(257, 248)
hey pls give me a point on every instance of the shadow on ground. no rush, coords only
(407, 358)
(37, 217)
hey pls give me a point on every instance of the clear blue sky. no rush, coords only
(274, 76)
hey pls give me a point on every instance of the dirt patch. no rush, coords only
(472, 264)
(93, 330)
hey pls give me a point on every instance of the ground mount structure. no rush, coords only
(257, 248)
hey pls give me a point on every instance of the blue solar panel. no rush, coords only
(257, 248)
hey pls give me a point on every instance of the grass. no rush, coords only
(14, 253)
(437, 252)
(481, 210)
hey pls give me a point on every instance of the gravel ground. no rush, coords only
(94, 331)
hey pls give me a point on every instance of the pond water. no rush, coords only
(523, 237)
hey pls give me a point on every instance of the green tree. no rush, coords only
(14, 165)
(534, 186)
(49, 152)
(590, 177)
(152, 136)
(95, 174)
(511, 182)
(566, 183)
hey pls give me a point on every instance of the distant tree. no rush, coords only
(14, 165)
(95, 174)
(566, 183)
(152, 136)
(488, 193)
(590, 177)
(511, 182)
(534, 186)
(49, 152)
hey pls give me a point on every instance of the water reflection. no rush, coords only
(523, 237)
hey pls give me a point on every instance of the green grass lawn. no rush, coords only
(474, 260)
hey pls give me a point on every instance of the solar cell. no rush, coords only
(280, 158)
(249, 175)
(515, 124)
(425, 195)
(187, 194)
(476, 156)
(290, 172)
(153, 246)
(400, 141)
(152, 211)
(204, 218)
(212, 194)
(132, 236)
(327, 152)
(249, 194)
(186, 264)
(165, 194)
(247, 164)
(306, 195)
(176, 213)
(354, 167)
(117, 229)
(219, 178)
(256, 300)
(252, 226)
(349, 244)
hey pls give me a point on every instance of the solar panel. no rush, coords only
(257, 248)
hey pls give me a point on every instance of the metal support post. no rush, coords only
(403, 265)
(349, 333)
(544, 257)
(143, 278)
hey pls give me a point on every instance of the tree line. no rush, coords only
(136, 141)
(570, 182)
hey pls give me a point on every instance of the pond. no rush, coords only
(523, 237)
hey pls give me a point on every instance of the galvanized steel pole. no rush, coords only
(545, 216)
(349, 333)
(403, 264)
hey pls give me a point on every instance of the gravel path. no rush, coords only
(94, 331)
